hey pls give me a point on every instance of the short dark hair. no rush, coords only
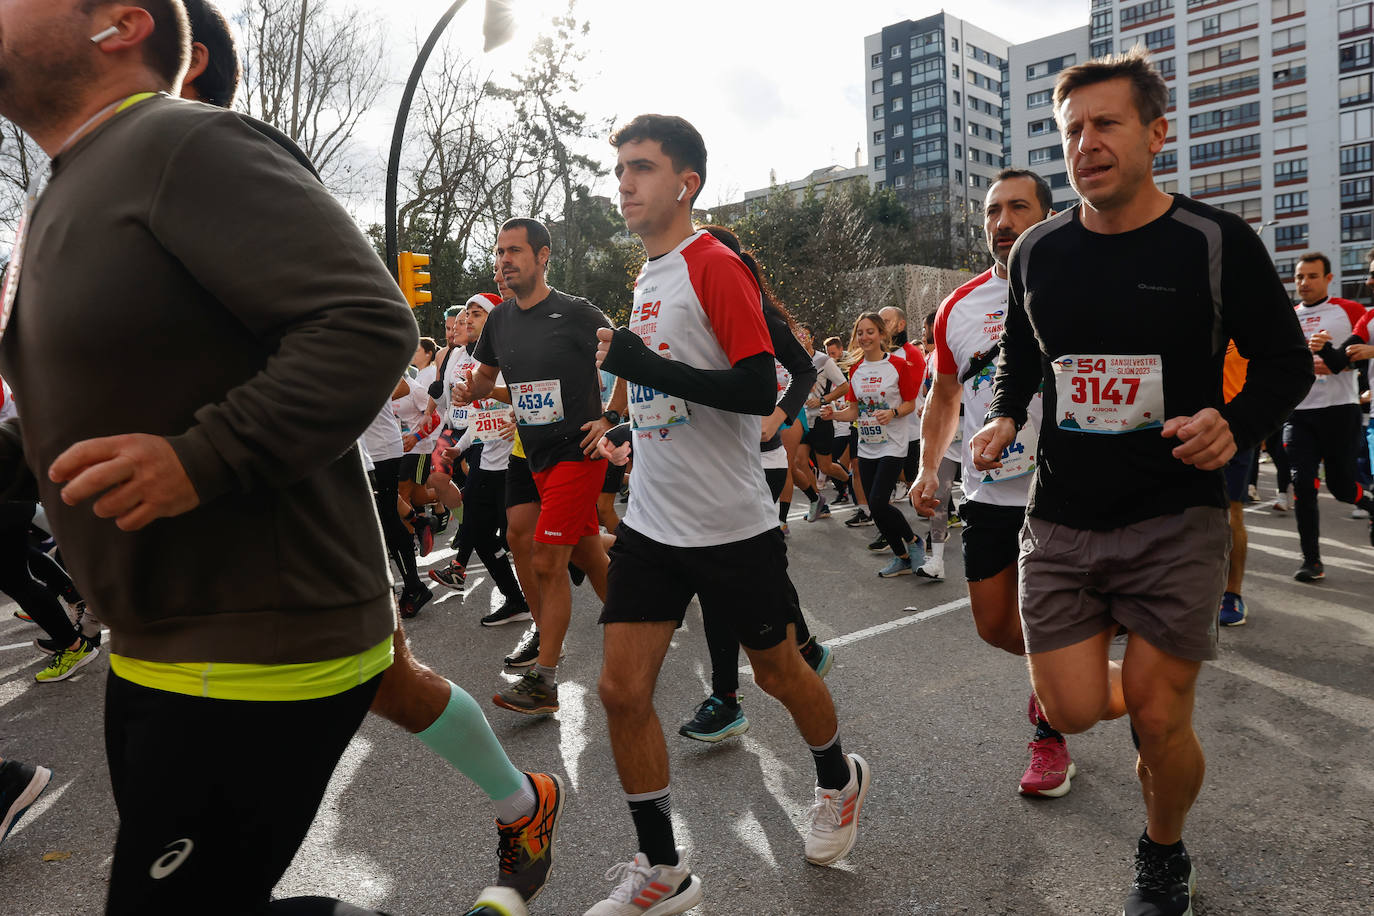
(453, 311)
(220, 82)
(1043, 194)
(535, 232)
(168, 50)
(681, 142)
(1148, 89)
(829, 341)
(1315, 256)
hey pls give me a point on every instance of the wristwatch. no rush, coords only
(999, 414)
(612, 417)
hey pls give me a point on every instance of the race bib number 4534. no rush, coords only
(538, 403)
(1106, 393)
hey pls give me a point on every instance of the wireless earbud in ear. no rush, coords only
(681, 193)
(106, 35)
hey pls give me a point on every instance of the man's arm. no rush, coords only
(792, 355)
(940, 422)
(749, 386)
(1019, 370)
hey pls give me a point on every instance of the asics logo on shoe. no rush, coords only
(170, 861)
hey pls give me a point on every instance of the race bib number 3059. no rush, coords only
(1105, 393)
(538, 403)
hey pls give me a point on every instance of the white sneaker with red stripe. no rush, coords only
(835, 816)
(650, 890)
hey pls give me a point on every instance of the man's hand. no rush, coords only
(813, 402)
(1318, 340)
(923, 494)
(827, 411)
(140, 476)
(603, 344)
(594, 430)
(617, 455)
(884, 417)
(409, 441)
(1320, 367)
(462, 389)
(508, 429)
(1357, 352)
(1207, 443)
(771, 424)
(990, 442)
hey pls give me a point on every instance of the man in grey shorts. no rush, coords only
(1122, 307)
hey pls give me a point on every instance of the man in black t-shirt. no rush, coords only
(1122, 308)
(544, 345)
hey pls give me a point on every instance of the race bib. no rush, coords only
(1018, 459)
(458, 417)
(652, 409)
(1102, 393)
(487, 421)
(538, 403)
(871, 432)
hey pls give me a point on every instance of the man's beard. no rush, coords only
(45, 89)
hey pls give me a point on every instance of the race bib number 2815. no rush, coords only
(1106, 393)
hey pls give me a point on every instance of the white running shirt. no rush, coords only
(882, 385)
(1337, 317)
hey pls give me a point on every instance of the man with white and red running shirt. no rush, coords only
(915, 357)
(699, 361)
(968, 326)
(1325, 427)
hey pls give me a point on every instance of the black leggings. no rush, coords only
(16, 580)
(483, 529)
(399, 546)
(777, 479)
(1329, 436)
(724, 648)
(879, 476)
(1282, 463)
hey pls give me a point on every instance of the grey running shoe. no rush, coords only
(531, 695)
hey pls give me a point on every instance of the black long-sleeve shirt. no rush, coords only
(1176, 288)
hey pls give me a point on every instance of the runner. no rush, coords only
(698, 358)
(20, 785)
(895, 321)
(1127, 521)
(817, 446)
(882, 393)
(942, 518)
(1324, 431)
(1233, 612)
(544, 343)
(966, 330)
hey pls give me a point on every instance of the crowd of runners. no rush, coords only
(1101, 427)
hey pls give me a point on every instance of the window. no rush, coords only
(1356, 55)
(899, 156)
(932, 96)
(894, 52)
(958, 151)
(982, 82)
(1054, 65)
(1289, 39)
(1357, 159)
(1292, 202)
(899, 181)
(898, 104)
(1290, 138)
(1039, 99)
(1278, 9)
(957, 98)
(959, 176)
(898, 130)
(927, 151)
(1102, 24)
(973, 129)
(875, 61)
(1166, 161)
(1222, 150)
(958, 126)
(1355, 227)
(1100, 48)
(1293, 70)
(877, 87)
(1356, 193)
(880, 162)
(1168, 187)
(877, 137)
(1356, 125)
(954, 69)
(1059, 180)
(1045, 154)
(1040, 128)
(1355, 90)
(954, 44)
(925, 43)
(1165, 67)
(1224, 118)
(1284, 267)
(1354, 263)
(1226, 182)
(877, 112)
(990, 159)
(1291, 236)
(1160, 39)
(972, 154)
(975, 181)
(1290, 170)
(898, 77)
(1352, 20)
(1291, 105)
(1144, 12)
(1251, 208)
(1223, 55)
(1222, 87)
(1219, 23)
(928, 70)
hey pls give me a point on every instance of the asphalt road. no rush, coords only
(1284, 824)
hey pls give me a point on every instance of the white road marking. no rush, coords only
(573, 736)
(1292, 534)
(1340, 704)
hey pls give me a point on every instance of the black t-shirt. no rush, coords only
(547, 355)
(1117, 324)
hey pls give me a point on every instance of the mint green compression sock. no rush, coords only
(462, 736)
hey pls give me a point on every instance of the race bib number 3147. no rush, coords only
(1107, 393)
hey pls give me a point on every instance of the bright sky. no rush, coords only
(771, 84)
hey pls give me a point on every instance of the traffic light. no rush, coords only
(411, 275)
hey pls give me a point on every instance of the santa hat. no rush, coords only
(484, 301)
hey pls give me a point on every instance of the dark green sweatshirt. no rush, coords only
(186, 277)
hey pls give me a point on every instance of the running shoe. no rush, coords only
(441, 520)
(900, 566)
(1164, 883)
(932, 568)
(859, 519)
(20, 786)
(1282, 502)
(454, 575)
(525, 848)
(510, 612)
(650, 890)
(1233, 612)
(820, 657)
(899, 491)
(51, 646)
(782, 526)
(20, 615)
(842, 498)
(819, 509)
(411, 602)
(715, 720)
(835, 816)
(1051, 771)
(424, 535)
(498, 901)
(879, 544)
(531, 695)
(955, 521)
(1310, 572)
(64, 664)
(526, 650)
(1252, 494)
(1357, 512)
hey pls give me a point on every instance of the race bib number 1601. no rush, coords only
(1106, 393)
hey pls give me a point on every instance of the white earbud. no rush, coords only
(106, 35)
(681, 193)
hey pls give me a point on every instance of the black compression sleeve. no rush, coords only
(749, 387)
(1335, 359)
(16, 480)
(1019, 369)
(792, 355)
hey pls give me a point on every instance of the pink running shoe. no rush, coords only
(1051, 771)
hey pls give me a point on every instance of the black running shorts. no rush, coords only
(520, 488)
(415, 467)
(742, 584)
(992, 538)
(820, 437)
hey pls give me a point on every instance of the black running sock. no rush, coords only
(832, 767)
(809, 649)
(1161, 849)
(1135, 739)
(811, 493)
(652, 813)
(729, 699)
(1044, 730)
(783, 508)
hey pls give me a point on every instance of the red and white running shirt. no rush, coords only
(968, 325)
(698, 478)
(1339, 318)
(876, 385)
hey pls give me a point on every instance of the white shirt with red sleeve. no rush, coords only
(1362, 326)
(916, 360)
(698, 480)
(876, 385)
(1339, 318)
(967, 326)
